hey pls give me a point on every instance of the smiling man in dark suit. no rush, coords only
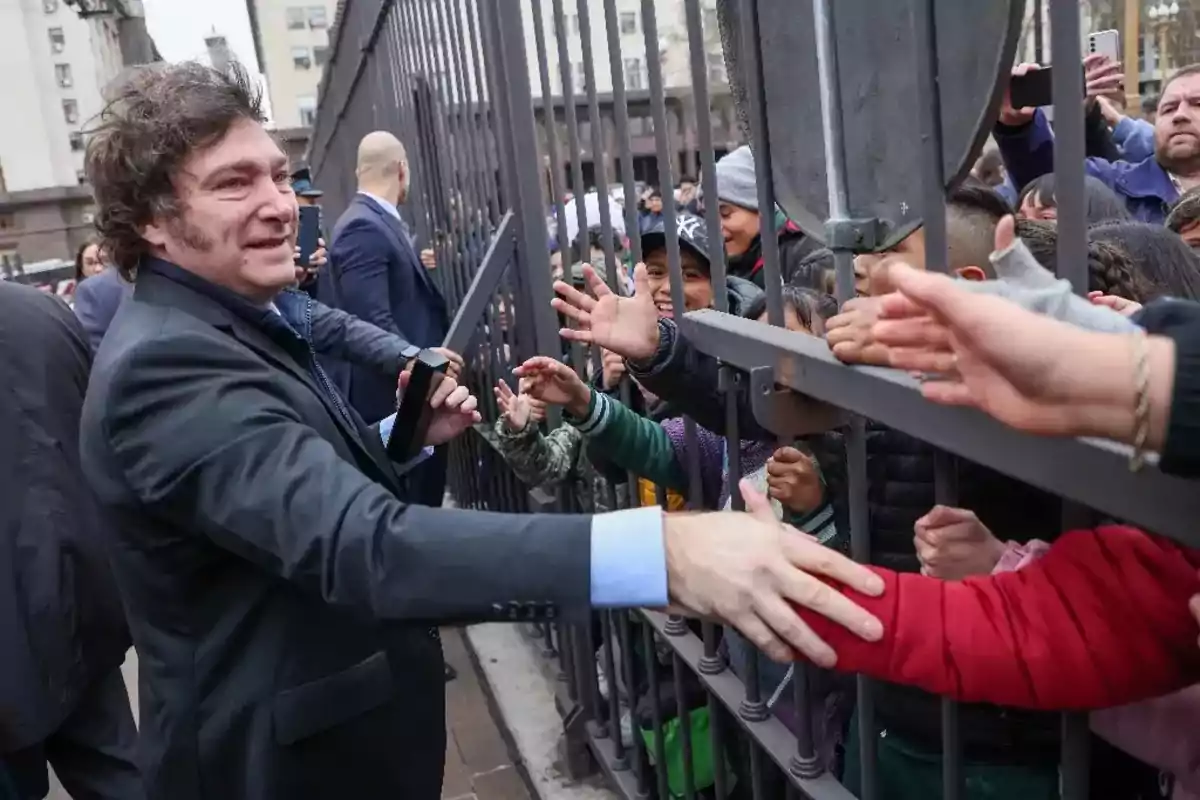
(279, 589)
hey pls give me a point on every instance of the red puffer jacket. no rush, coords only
(1101, 621)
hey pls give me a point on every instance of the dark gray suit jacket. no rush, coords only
(96, 302)
(61, 622)
(278, 590)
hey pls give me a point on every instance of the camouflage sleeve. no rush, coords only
(537, 459)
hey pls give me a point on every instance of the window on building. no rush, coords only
(70, 111)
(579, 78)
(58, 42)
(81, 176)
(317, 17)
(307, 106)
(62, 74)
(297, 18)
(716, 68)
(76, 141)
(49, 6)
(629, 22)
(634, 79)
(320, 55)
(8, 222)
(301, 58)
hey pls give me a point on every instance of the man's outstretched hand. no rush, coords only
(627, 326)
(749, 569)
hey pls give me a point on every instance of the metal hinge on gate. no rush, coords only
(786, 413)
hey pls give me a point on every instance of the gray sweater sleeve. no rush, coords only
(1027, 283)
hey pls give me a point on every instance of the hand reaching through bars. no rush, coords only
(626, 325)
(794, 480)
(849, 333)
(749, 570)
(1028, 371)
(552, 381)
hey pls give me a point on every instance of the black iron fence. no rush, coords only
(835, 99)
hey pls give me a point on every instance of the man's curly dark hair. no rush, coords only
(153, 122)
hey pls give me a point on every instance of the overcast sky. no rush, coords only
(179, 28)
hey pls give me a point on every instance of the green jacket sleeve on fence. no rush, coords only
(631, 442)
(539, 459)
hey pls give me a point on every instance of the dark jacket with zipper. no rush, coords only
(901, 490)
(794, 245)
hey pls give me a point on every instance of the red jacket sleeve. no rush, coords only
(1101, 621)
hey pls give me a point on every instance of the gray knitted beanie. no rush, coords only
(736, 179)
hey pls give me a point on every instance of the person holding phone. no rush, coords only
(1148, 187)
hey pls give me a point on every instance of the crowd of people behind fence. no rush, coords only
(1142, 198)
(248, 530)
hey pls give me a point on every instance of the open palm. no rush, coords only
(626, 325)
(515, 407)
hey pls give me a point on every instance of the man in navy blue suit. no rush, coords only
(375, 274)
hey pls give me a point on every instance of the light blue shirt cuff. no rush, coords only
(385, 432)
(629, 559)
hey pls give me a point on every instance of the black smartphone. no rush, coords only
(413, 413)
(1033, 89)
(310, 232)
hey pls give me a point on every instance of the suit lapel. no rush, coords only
(352, 429)
(160, 289)
(400, 236)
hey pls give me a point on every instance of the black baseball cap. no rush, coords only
(691, 229)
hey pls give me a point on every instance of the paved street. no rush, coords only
(478, 763)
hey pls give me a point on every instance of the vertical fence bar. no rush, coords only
(596, 128)
(1038, 32)
(621, 122)
(658, 109)
(443, 144)
(531, 233)
(856, 454)
(550, 123)
(698, 59)
(467, 218)
(566, 73)
(756, 94)
(685, 727)
(608, 634)
(1072, 259)
(487, 116)
(924, 26)
(629, 669)
(463, 104)
(656, 713)
(448, 248)
(711, 663)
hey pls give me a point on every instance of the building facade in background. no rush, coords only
(65, 52)
(291, 40)
(672, 53)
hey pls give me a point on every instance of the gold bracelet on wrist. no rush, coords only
(1141, 406)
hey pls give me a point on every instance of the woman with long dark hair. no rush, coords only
(89, 260)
